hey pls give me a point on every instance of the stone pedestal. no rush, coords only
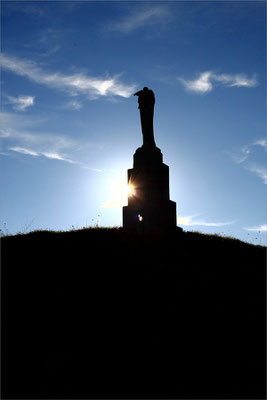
(149, 205)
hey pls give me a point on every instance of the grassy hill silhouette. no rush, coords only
(104, 313)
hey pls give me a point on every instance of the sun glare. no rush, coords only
(130, 191)
(119, 191)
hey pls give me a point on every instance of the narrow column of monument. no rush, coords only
(149, 205)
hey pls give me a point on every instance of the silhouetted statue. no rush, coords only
(149, 206)
(146, 101)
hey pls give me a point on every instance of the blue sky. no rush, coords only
(70, 123)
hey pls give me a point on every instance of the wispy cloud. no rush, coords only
(241, 156)
(47, 42)
(239, 80)
(22, 150)
(77, 83)
(51, 155)
(206, 81)
(47, 154)
(189, 221)
(246, 150)
(31, 8)
(261, 172)
(261, 142)
(200, 85)
(141, 17)
(259, 228)
(21, 103)
(74, 105)
(16, 131)
(245, 157)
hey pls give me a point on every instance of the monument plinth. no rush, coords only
(149, 205)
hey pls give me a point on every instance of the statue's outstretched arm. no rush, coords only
(138, 93)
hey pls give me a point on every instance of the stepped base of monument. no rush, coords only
(149, 218)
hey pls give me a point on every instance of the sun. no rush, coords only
(119, 192)
(130, 190)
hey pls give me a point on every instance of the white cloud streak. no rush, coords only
(246, 150)
(261, 142)
(77, 83)
(245, 157)
(142, 17)
(261, 172)
(207, 80)
(242, 156)
(259, 228)
(188, 221)
(22, 150)
(200, 85)
(52, 155)
(238, 80)
(21, 103)
(15, 130)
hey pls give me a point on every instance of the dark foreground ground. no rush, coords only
(100, 313)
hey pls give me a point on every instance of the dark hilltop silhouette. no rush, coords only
(145, 311)
(98, 313)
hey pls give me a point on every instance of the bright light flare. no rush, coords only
(119, 191)
(130, 190)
